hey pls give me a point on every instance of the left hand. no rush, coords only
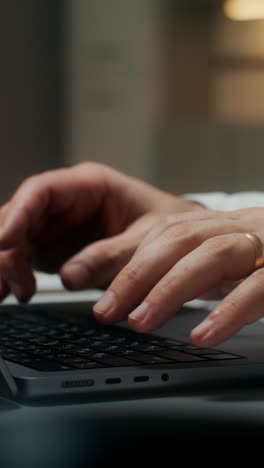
(184, 257)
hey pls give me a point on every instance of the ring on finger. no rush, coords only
(259, 249)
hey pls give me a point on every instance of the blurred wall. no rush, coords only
(212, 137)
(171, 94)
(210, 157)
(160, 90)
(30, 90)
(112, 82)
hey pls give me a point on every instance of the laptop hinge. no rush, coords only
(8, 386)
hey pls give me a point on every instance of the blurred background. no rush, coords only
(171, 91)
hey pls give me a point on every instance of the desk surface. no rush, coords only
(156, 428)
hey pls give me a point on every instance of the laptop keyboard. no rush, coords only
(52, 343)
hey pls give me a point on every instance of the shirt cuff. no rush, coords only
(227, 202)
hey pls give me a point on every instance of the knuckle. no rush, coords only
(107, 253)
(162, 292)
(220, 246)
(230, 307)
(8, 261)
(175, 231)
(90, 165)
(258, 276)
(31, 183)
(131, 273)
(98, 259)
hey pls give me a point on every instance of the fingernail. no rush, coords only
(140, 312)
(77, 275)
(203, 328)
(106, 304)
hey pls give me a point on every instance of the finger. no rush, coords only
(222, 258)
(51, 193)
(137, 278)
(151, 263)
(220, 291)
(182, 223)
(97, 264)
(16, 275)
(242, 306)
(101, 261)
(146, 268)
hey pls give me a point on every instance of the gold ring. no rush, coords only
(259, 249)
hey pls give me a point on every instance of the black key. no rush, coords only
(97, 344)
(75, 329)
(66, 346)
(189, 346)
(4, 349)
(105, 336)
(84, 351)
(154, 341)
(169, 343)
(64, 336)
(114, 361)
(18, 344)
(145, 358)
(203, 351)
(124, 341)
(54, 333)
(179, 356)
(148, 348)
(25, 335)
(13, 355)
(89, 365)
(113, 339)
(223, 356)
(40, 363)
(81, 341)
(37, 351)
(90, 332)
(36, 328)
(71, 360)
(62, 326)
(6, 341)
(115, 349)
(12, 331)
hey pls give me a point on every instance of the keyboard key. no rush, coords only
(148, 348)
(169, 343)
(89, 365)
(203, 351)
(113, 361)
(179, 356)
(222, 356)
(40, 364)
(145, 358)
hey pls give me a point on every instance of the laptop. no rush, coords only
(58, 349)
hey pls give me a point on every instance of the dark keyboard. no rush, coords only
(52, 343)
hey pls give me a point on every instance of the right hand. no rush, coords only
(84, 223)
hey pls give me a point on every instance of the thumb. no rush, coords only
(98, 264)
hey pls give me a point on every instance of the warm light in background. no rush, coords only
(244, 10)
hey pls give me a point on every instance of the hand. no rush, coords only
(182, 258)
(84, 222)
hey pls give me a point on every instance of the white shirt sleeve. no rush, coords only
(227, 202)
